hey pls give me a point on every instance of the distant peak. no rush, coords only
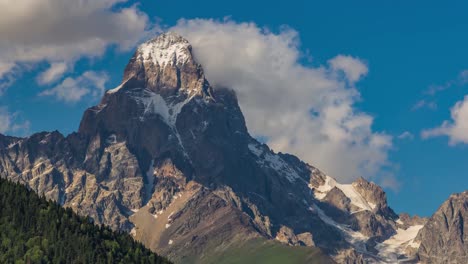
(167, 48)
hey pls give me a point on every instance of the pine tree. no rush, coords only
(34, 230)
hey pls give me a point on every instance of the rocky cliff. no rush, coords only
(444, 238)
(168, 158)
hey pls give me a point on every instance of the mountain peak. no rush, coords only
(165, 65)
(170, 36)
(167, 48)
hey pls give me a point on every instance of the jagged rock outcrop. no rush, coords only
(168, 158)
(444, 238)
(375, 196)
(405, 220)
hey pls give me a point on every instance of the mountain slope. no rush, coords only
(168, 158)
(33, 230)
(444, 238)
(266, 252)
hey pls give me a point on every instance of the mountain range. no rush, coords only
(168, 158)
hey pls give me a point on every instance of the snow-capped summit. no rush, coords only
(167, 48)
(165, 66)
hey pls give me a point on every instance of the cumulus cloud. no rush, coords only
(456, 129)
(55, 71)
(62, 31)
(305, 110)
(406, 135)
(73, 90)
(353, 68)
(9, 122)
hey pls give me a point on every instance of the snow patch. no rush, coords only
(255, 150)
(354, 196)
(45, 140)
(390, 249)
(166, 49)
(357, 239)
(274, 161)
(168, 225)
(348, 189)
(170, 242)
(12, 145)
(116, 89)
(153, 103)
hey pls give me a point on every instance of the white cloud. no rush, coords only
(424, 104)
(74, 89)
(430, 94)
(304, 110)
(9, 122)
(55, 71)
(389, 181)
(8, 75)
(65, 30)
(406, 135)
(5, 68)
(456, 129)
(353, 68)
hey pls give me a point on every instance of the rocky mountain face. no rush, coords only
(168, 158)
(444, 238)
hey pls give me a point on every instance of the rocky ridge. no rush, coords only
(444, 238)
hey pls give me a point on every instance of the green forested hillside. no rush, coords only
(34, 230)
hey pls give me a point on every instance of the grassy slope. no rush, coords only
(260, 251)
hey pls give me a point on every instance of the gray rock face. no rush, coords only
(444, 238)
(168, 158)
(372, 193)
(407, 220)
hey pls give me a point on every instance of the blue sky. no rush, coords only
(407, 47)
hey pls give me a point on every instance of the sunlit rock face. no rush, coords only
(444, 238)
